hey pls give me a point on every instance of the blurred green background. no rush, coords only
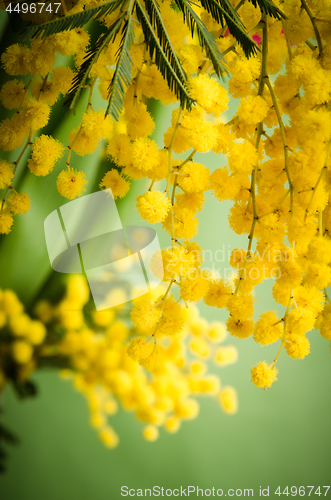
(279, 437)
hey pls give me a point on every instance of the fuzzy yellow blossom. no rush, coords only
(268, 328)
(16, 59)
(193, 177)
(150, 433)
(241, 306)
(139, 121)
(172, 320)
(18, 203)
(144, 314)
(114, 181)
(45, 153)
(263, 375)
(153, 206)
(118, 149)
(6, 174)
(216, 332)
(218, 294)
(208, 93)
(144, 154)
(172, 425)
(226, 355)
(35, 115)
(185, 224)
(252, 109)
(12, 94)
(242, 157)
(139, 349)
(36, 332)
(13, 131)
(240, 328)
(109, 437)
(6, 221)
(61, 78)
(22, 351)
(229, 400)
(94, 127)
(200, 347)
(297, 346)
(71, 183)
(194, 289)
(223, 185)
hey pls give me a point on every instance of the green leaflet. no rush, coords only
(91, 57)
(175, 81)
(206, 39)
(268, 7)
(122, 75)
(71, 21)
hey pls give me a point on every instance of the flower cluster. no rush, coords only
(276, 171)
(92, 349)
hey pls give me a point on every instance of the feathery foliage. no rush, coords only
(71, 21)
(159, 45)
(92, 56)
(269, 8)
(122, 74)
(206, 39)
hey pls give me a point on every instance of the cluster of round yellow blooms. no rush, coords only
(99, 350)
(275, 169)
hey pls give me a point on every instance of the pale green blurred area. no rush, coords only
(278, 437)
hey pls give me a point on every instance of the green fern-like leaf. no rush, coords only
(206, 39)
(91, 57)
(268, 7)
(233, 21)
(122, 75)
(71, 21)
(154, 13)
(172, 75)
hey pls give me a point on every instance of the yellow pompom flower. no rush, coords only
(13, 131)
(252, 109)
(12, 94)
(118, 149)
(6, 221)
(242, 157)
(241, 306)
(227, 355)
(6, 174)
(229, 400)
(139, 121)
(22, 351)
(216, 332)
(208, 93)
(16, 59)
(200, 347)
(218, 294)
(61, 78)
(114, 181)
(35, 115)
(71, 183)
(151, 433)
(297, 346)
(263, 375)
(18, 203)
(268, 329)
(36, 332)
(144, 314)
(153, 206)
(139, 349)
(223, 185)
(94, 127)
(145, 155)
(191, 201)
(240, 328)
(109, 437)
(193, 177)
(195, 288)
(45, 153)
(185, 224)
(172, 425)
(172, 321)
